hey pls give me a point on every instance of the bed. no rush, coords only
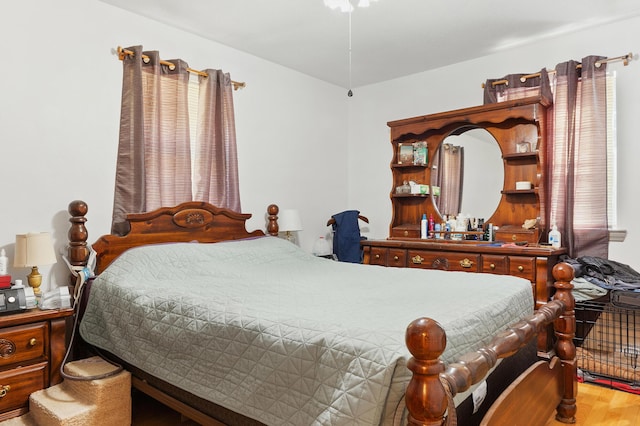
(256, 331)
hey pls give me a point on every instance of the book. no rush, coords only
(420, 153)
(405, 153)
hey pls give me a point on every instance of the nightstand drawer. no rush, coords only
(22, 343)
(16, 385)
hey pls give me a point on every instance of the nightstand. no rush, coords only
(32, 347)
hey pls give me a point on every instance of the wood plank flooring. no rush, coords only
(597, 406)
(600, 406)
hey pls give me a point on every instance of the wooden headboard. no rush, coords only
(190, 221)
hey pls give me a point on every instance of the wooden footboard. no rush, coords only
(531, 399)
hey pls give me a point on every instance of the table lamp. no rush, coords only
(34, 249)
(288, 222)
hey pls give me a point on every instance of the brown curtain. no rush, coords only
(216, 164)
(450, 177)
(517, 86)
(575, 162)
(154, 153)
(577, 158)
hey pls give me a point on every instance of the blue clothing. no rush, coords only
(346, 237)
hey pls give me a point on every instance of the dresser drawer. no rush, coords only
(388, 257)
(17, 384)
(444, 261)
(397, 257)
(378, 256)
(495, 264)
(22, 343)
(524, 267)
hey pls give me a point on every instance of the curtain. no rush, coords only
(577, 152)
(575, 161)
(450, 176)
(216, 164)
(517, 86)
(154, 163)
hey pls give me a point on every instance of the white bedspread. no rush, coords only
(269, 331)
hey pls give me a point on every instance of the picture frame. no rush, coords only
(405, 153)
(420, 153)
(523, 147)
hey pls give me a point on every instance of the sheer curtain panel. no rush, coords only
(216, 164)
(577, 152)
(154, 164)
(450, 177)
(575, 161)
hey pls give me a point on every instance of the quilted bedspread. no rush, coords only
(267, 330)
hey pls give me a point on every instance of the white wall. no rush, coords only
(60, 87)
(459, 86)
(302, 143)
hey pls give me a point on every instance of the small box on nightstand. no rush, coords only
(5, 281)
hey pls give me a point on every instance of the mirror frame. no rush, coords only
(487, 140)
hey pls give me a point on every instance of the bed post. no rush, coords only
(565, 330)
(272, 225)
(78, 252)
(425, 396)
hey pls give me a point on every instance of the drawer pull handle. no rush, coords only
(520, 268)
(396, 258)
(417, 259)
(492, 266)
(4, 391)
(7, 348)
(377, 256)
(466, 263)
(32, 341)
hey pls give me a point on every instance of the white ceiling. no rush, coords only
(390, 39)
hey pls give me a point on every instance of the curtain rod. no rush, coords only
(624, 58)
(122, 52)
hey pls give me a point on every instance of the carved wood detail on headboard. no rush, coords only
(193, 221)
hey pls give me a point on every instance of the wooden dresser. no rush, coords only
(509, 151)
(32, 347)
(500, 180)
(533, 263)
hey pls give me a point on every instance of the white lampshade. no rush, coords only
(289, 220)
(34, 249)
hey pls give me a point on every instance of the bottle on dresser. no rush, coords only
(554, 236)
(4, 261)
(431, 226)
(423, 226)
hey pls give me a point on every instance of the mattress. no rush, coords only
(267, 330)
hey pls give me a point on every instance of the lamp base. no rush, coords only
(35, 280)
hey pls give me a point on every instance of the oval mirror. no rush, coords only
(469, 170)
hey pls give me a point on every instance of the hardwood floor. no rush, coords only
(597, 406)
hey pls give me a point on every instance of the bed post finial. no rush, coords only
(272, 225)
(426, 340)
(78, 252)
(565, 330)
